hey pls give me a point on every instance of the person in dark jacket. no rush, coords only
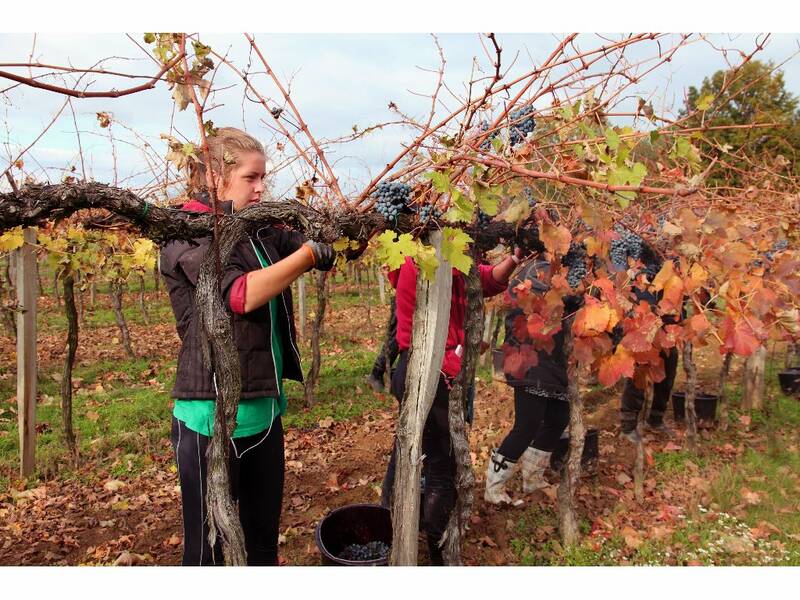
(541, 406)
(256, 288)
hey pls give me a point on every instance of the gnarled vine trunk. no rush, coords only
(567, 514)
(69, 360)
(691, 393)
(465, 478)
(116, 297)
(638, 466)
(723, 398)
(316, 333)
(142, 302)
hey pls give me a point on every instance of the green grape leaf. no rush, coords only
(440, 180)
(454, 246)
(517, 211)
(392, 250)
(612, 139)
(461, 208)
(487, 201)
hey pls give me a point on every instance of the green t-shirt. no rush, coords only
(255, 414)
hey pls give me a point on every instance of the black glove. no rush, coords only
(324, 255)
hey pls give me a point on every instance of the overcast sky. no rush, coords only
(338, 81)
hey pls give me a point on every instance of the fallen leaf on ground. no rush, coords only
(113, 485)
(623, 478)
(633, 538)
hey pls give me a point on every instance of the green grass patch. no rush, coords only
(669, 463)
(111, 415)
(342, 392)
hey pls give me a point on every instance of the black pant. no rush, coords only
(539, 421)
(439, 465)
(633, 397)
(389, 350)
(256, 479)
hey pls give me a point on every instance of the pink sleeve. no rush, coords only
(491, 287)
(238, 294)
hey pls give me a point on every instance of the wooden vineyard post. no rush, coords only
(753, 389)
(431, 319)
(26, 352)
(487, 336)
(381, 285)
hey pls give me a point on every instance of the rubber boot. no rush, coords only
(534, 462)
(498, 472)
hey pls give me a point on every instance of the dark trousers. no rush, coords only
(539, 421)
(438, 467)
(633, 397)
(389, 351)
(256, 478)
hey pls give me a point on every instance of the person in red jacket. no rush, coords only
(439, 467)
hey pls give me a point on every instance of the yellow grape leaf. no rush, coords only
(704, 103)
(454, 246)
(341, 244)
(144, 253)
(392, 250)
(426, 261)
(11, 240)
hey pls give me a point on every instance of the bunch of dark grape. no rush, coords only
(627, 245)
(528, 193)
(486, 145)
(522, 124)
(777, 247)
(364, 552)
(575, 260)
(483, 219)
(427, 211)
(393, 198)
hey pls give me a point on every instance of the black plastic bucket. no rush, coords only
(353, 524)
(790, 381)
(705, 406)
(588, 458)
